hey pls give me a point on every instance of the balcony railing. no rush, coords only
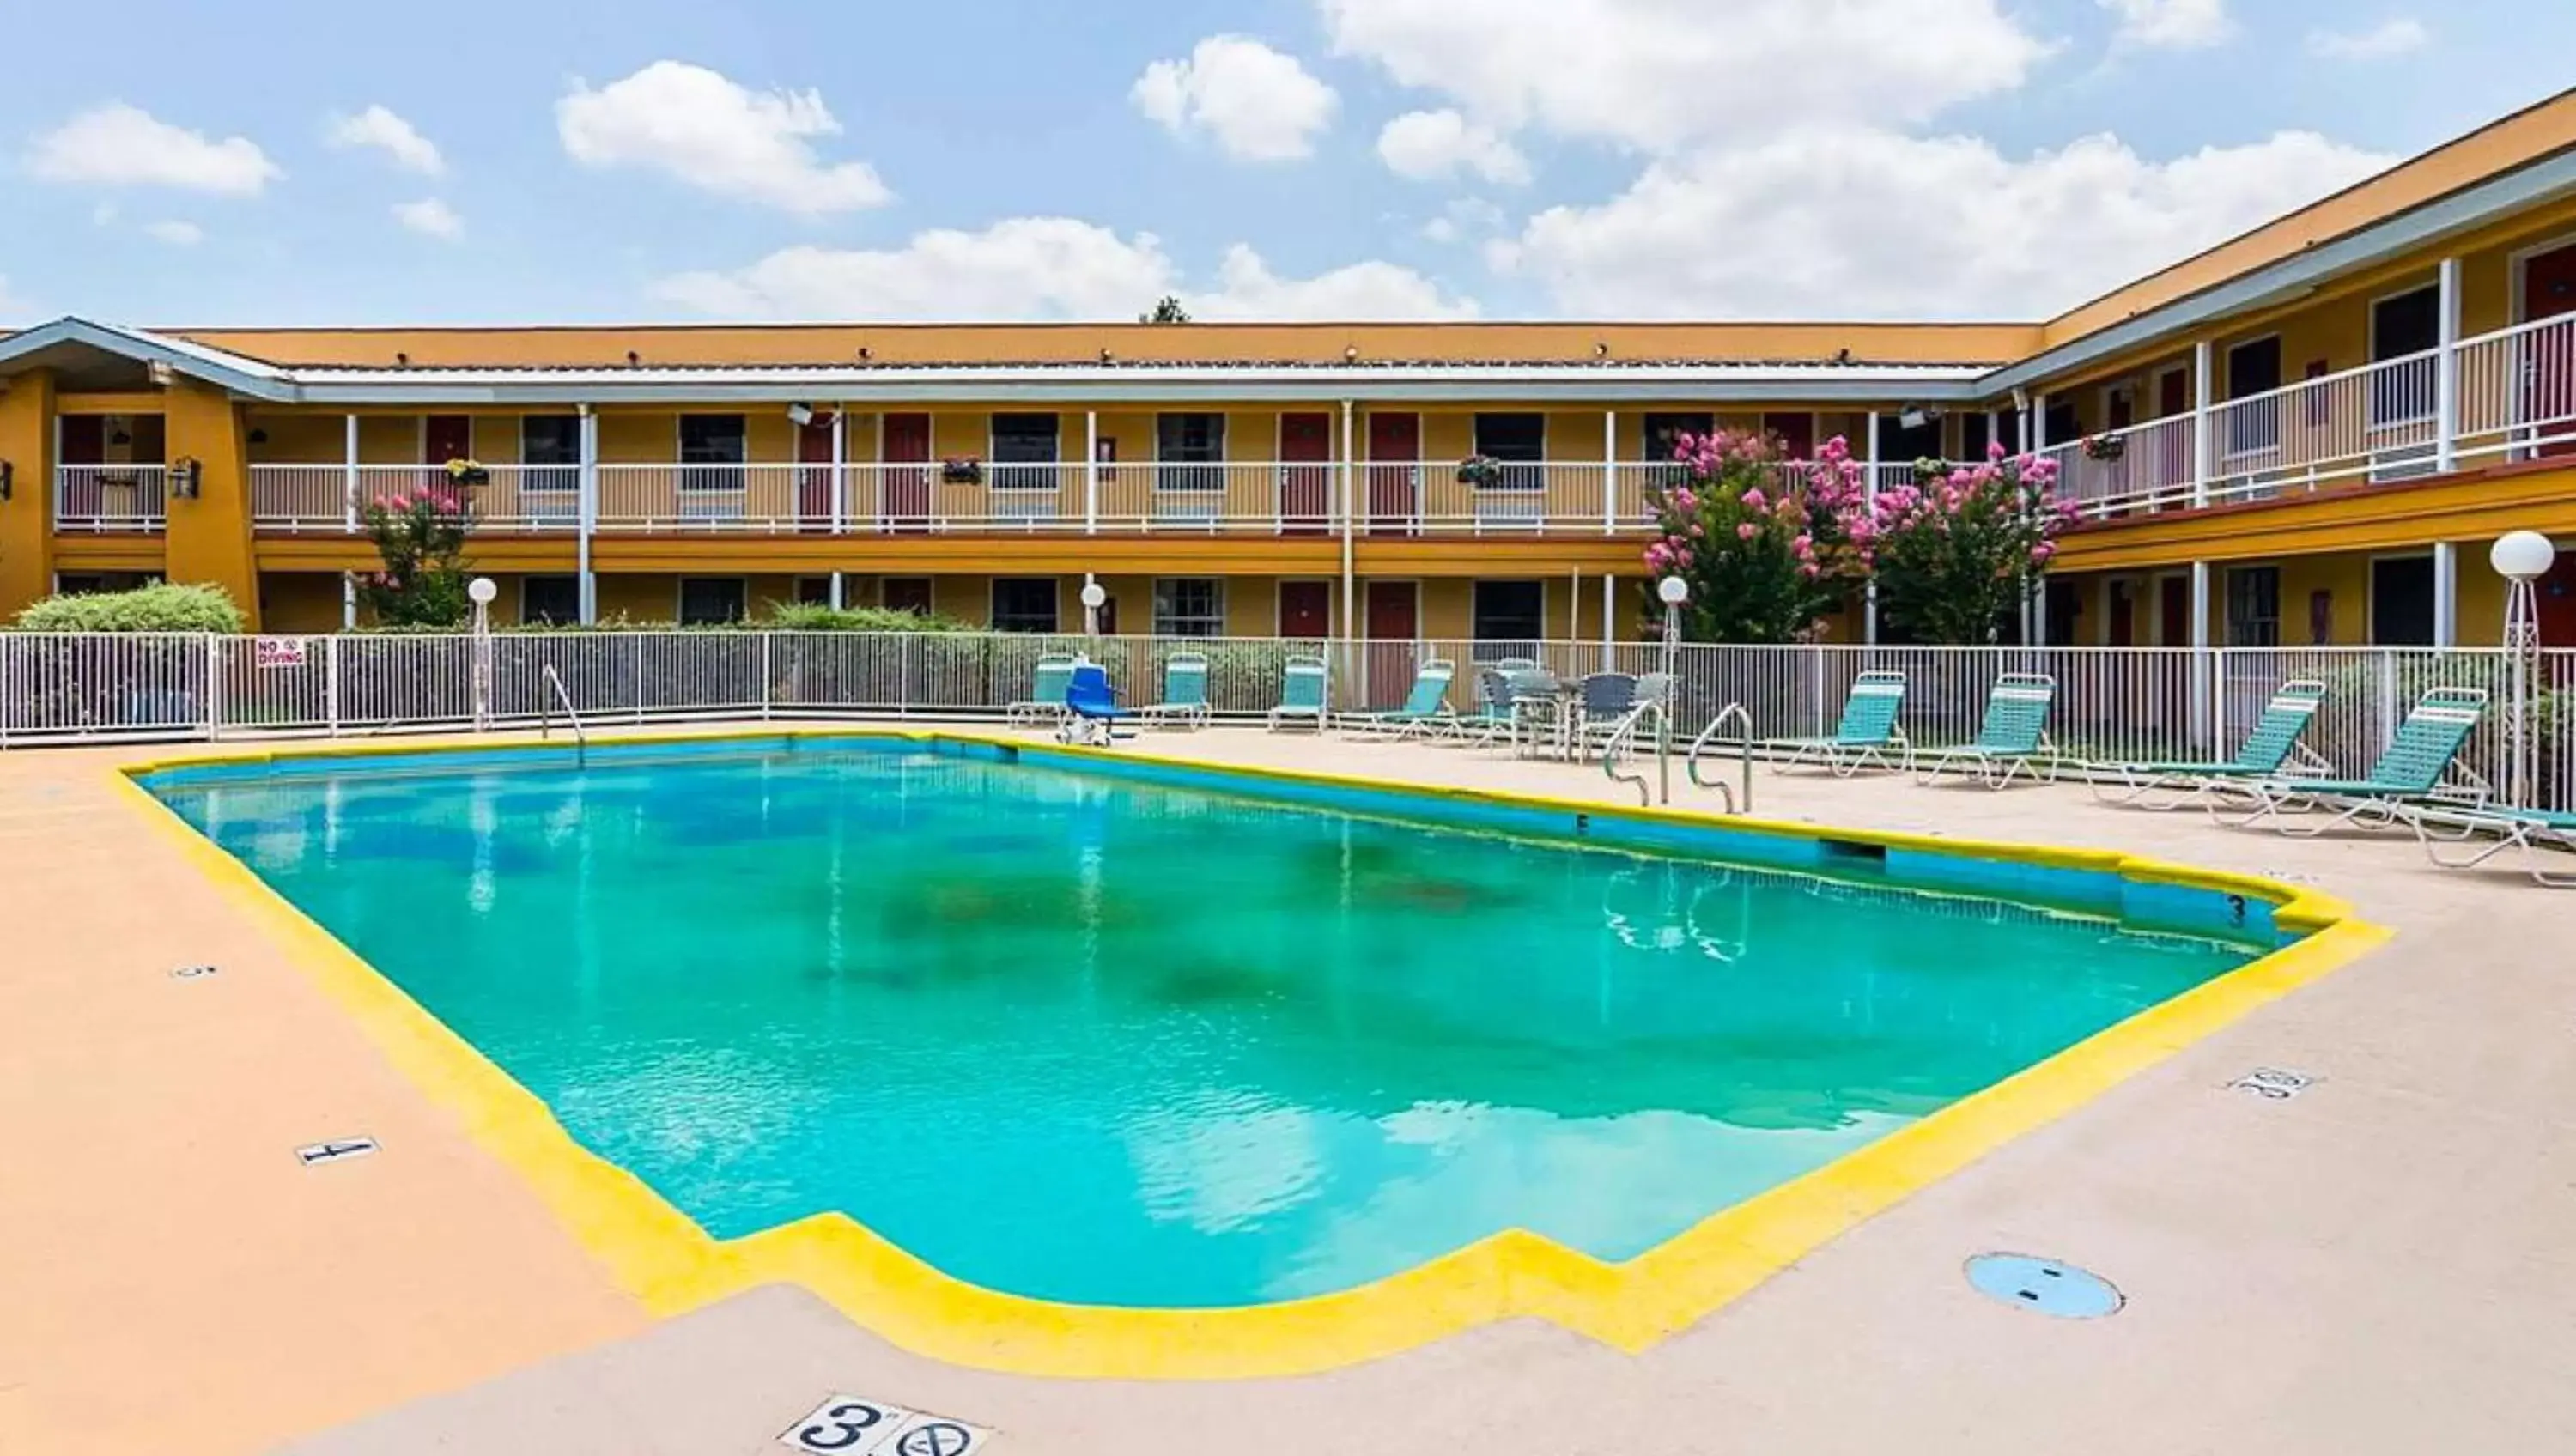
(333, 498)
(110, 497)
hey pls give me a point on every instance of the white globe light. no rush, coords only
(482, 589)
(2521, 555)
(1093, 595)
(1673, 590)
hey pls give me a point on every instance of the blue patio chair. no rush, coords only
(1304, 693)
(1867, 733)
(1092, 714)
(1185, 692)
(2421, 767)
(1425, 713)
(2265, 753)
(2013, 738)
(1044, 706)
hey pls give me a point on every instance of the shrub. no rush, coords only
(1956, 553)
(420, 536)
(162, 608)
(808, 617)
(1758, 538)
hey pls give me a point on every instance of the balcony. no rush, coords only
(110, 498)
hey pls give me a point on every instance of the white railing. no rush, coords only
(110, 497)
(2113, 704)
(2517, 392)
(333, 498)
(2142, 467)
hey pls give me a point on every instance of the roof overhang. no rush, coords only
(2471, 208)
(71, 341)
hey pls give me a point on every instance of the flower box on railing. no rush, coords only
(2105, 447)
(467, 472)
(962, 470)
(1480, 472)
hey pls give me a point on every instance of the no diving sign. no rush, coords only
(277, 652)
(850, 1425)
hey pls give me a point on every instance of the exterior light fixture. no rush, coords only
(158, 371)
(2521, 558)
(6, 486)
(1350, 353)
(800, 415)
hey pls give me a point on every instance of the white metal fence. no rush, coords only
(2113, 704)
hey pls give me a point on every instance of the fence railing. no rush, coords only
(110, 497)
(2113, 704)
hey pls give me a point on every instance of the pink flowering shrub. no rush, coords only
(1759, 538)
(1955, 553)
(420, 536)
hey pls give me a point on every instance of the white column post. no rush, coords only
(1609, 614)
(1350, 570)
(2446, 594)
(588, 514)
(1994, 430)
(2039, 422)
(2204, 433)
(2446, 376)
(349, 516)
(1609, 472)
(1091, 472)
(840, 485)
(2201, 735)
(1869, 497)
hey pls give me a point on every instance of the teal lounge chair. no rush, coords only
(1425, 713)
(1044, 706)
(2535, 832)
(1302, 693)
(1867, 733)
(1185, 699)
(2413, 772)
(2012, 740)
(2264, 754)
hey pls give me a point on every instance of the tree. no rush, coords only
(420, 537)
(1757, 536)
(1957, 553)
(1167, 310)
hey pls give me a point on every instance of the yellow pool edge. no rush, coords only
(671, 1265)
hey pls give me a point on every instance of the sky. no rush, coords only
(660, 161)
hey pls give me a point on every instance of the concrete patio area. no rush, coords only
(2385, 1263)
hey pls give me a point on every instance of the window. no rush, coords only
(813, 591)
(1900, 445)
(2253, 368)
(2408, 324)
(1190, 451)
(549, 600)
(707, 601)
(1510, 616)
(906, 594)
(1024, 604)
(709, 441)
(1189, 606)
(1519, 440)
(1024, 452)
(2401, 601)
(550, 452)
(2254, 606)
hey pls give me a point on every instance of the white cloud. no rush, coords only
(1259, 104)
(430, 215)
(1040, 268)
(1436, 145)
(2388, 38)
(1658, 73)
(121, 145)
(381, 129)
(1464, 218)
(2171, 24)
(177, 234)
(1861, 223)
(701, 127)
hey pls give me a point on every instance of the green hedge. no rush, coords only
(162, 608)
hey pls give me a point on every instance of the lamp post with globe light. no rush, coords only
(2521, 558)
(1094, 597)
(481, 590)
(1672, 591)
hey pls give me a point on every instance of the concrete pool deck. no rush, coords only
(2385, 1263)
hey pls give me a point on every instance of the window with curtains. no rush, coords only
(550, 452)
(712, 451)
(2254, 606)
(1189, 451)
(1189, 606)
(1024, 451)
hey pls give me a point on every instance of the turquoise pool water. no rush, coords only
(1118, 1042)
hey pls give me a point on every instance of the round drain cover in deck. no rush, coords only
(2044, 1285)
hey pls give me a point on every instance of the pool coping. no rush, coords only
(671, 1265)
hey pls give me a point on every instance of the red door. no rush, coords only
(444, 438)
(1305, 476)
(1795, 432)
(2173, 606)
(907, 490)
(814, 479)
(2124, 615)
(2549, 362)
(1306, 609)
(1394, 490)
(1393, 620)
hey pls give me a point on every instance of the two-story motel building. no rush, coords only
(2318, 427)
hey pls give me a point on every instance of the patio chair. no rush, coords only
(1185, 696)
(1302, 692)
(1607, 699)
(1044, 706)
(1494, 715)
(2263, 755)
(1091, 711)
(1657, 688)
(2535, 832)
(1866, 734)
(1425, 714)
(2013, 738)
(2420, 767)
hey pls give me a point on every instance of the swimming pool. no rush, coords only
(1110, 1033)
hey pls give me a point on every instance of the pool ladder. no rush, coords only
(1623, 740)
(1737, 802)
(557, 694)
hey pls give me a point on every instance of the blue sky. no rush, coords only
(648, 160)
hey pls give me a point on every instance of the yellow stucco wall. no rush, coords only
(26, 517)
(209, 537)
